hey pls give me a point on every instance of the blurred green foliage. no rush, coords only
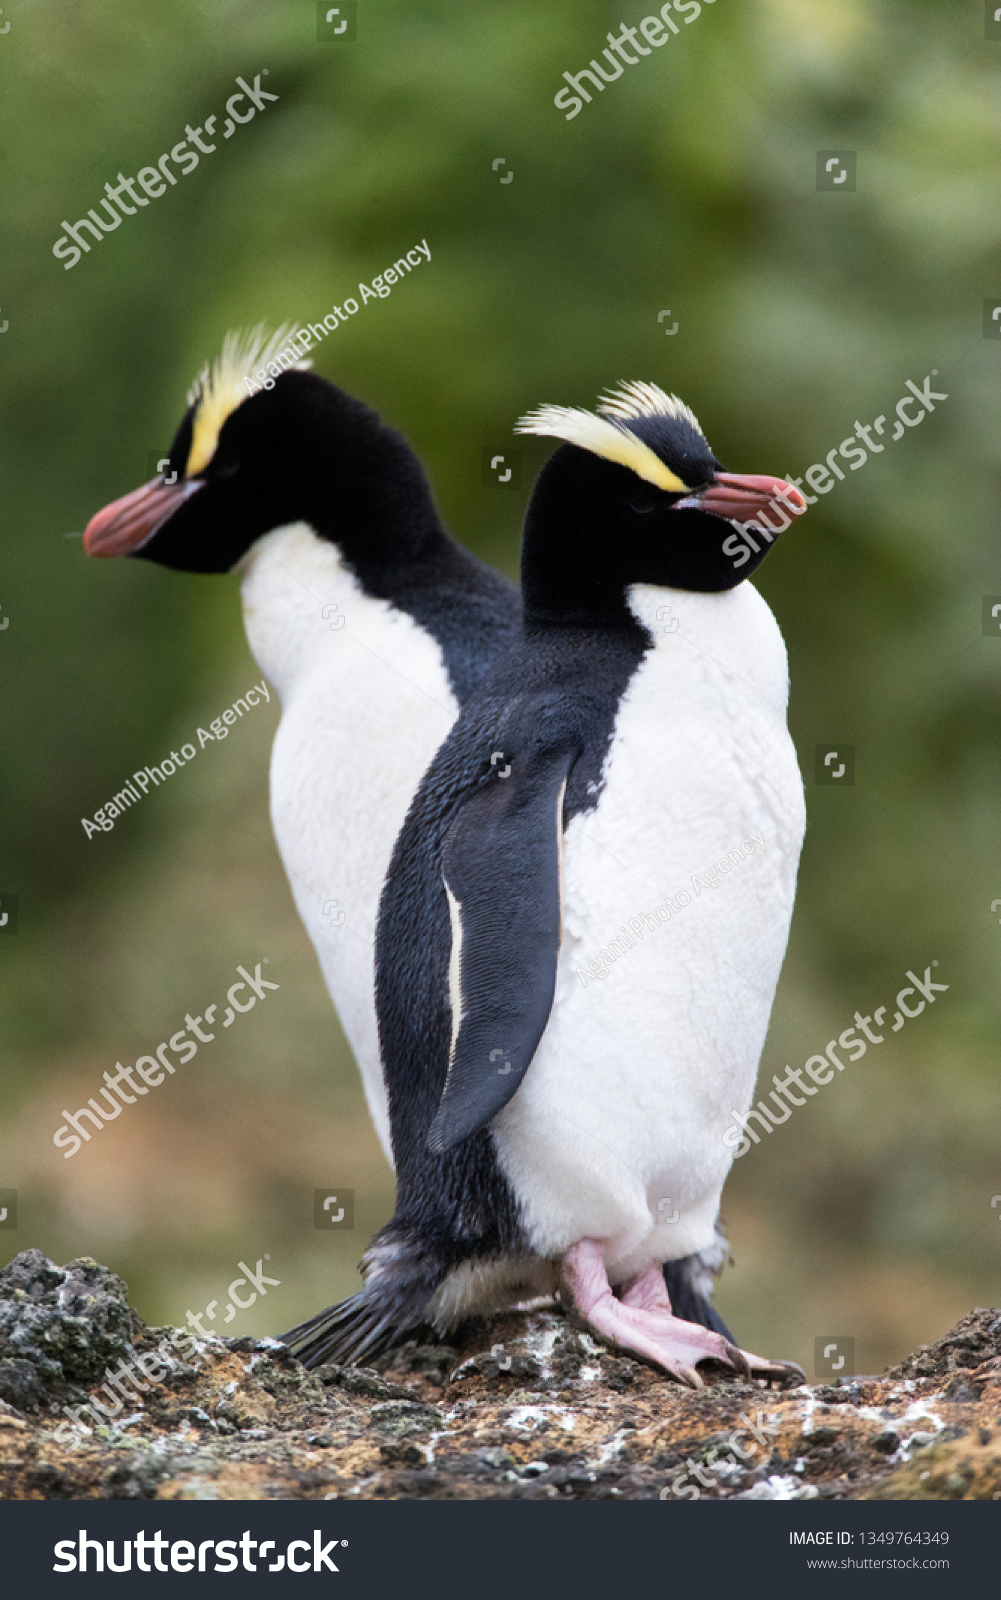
(689, 184)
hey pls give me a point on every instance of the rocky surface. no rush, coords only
(525, 1408)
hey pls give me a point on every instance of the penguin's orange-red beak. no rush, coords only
(125, 525)
(739, 497)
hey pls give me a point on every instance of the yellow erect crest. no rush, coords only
(607, 432)
(637, 399)
(220, 387)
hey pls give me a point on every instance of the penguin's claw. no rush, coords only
(684, 1374)
(739, 1359)
(641, 1320)
(760, 1368)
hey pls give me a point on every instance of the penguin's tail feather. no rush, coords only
(399, 1286)
(353, 1333)
(689, 1285)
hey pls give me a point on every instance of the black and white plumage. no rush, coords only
(540, 1121)
(373, 624)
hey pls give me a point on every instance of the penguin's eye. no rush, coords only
(645, 499)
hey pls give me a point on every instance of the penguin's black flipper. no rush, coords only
(501, 866)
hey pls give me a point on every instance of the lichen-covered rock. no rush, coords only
(433, 1361)
(21, 1385)
(68, 1322)
(525, 1408)
(974, 1340)
(361, 1381)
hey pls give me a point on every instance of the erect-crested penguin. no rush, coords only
(553, 1130)
(373, 624)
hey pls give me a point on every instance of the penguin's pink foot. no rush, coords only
(641, 1319)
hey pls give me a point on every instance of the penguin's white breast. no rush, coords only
(616, 1130)
(365, 704)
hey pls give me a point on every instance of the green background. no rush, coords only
(689, 185)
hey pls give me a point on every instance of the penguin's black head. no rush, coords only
(247, 459)
(636, 495)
